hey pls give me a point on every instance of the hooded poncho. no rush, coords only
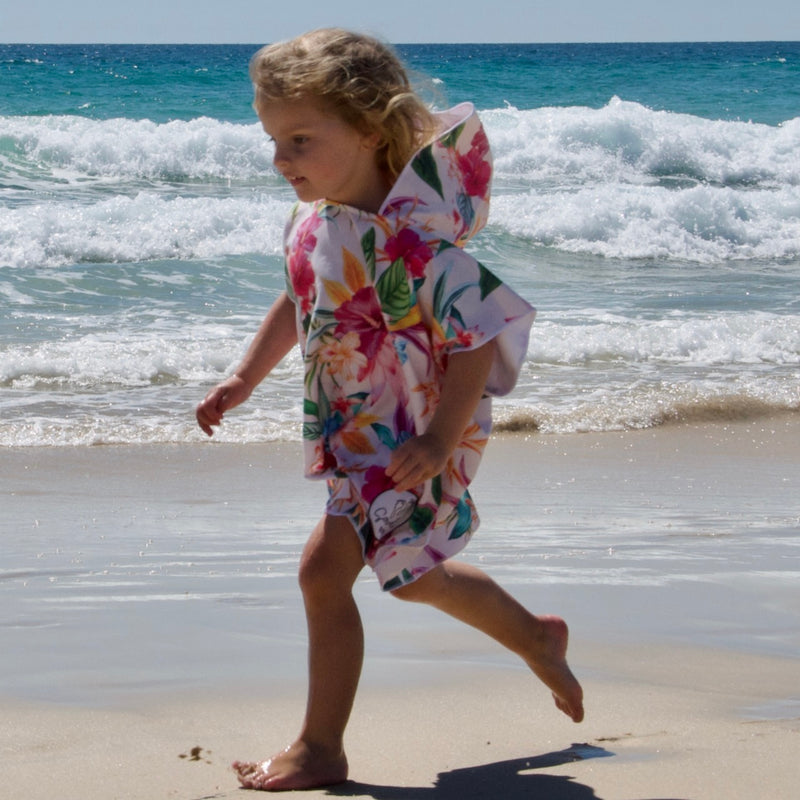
(382, 301)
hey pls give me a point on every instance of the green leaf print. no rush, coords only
(425, 166)
(488, 281)
(368, 248)
(385, 435)
(312, 430)
(392, 583)
(456, 315)
(464, 203)
(443, 304)
(438, 296)
(436, 489)
(310, 408)
(463, 520)
(451, 139)
(420, 519)
(393, 291)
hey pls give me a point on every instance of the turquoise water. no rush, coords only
(757, 81)
(646, 200)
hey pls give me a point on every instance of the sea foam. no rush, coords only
(621, 181)
(627, 182)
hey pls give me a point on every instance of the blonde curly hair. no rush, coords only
(354, 76)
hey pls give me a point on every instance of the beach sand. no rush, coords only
(692, 682)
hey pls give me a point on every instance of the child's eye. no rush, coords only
(300, 139)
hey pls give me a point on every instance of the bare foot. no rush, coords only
(548, 660)
(296, 767)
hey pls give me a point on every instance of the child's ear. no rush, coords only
(371, 140)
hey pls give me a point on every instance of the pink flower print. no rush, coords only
(301, 273)
(475, 167)
(480, 142)
(301, 276)
(412, 249)
(463, 340)
(476, 172)
(375, 482)
(342, 405)
(323, 460)
(398, 205)
(457, 339)
(362, 315)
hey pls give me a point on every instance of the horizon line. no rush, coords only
(402, 44)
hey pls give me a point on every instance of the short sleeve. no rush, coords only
(469, 306)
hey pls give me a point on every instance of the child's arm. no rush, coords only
(274, 339)
(425, 456)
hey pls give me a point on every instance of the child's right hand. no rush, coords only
(228, 394)
(417, 460)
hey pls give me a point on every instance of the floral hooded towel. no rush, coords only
(382, 301)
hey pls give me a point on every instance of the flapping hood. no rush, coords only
(444, 189)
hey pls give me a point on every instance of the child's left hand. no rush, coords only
(425, 456)
(416, 461)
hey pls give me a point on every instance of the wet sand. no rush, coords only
(686, 640)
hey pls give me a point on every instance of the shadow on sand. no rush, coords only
(503, 780)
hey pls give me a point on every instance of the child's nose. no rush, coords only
(279, 157)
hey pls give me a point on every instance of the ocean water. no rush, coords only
(646, 201)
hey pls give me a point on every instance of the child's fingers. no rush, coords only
(207, 429)
(413, 463)
(209, 411)
(403, 467)
(205, 421)
(398, 465)
(408, 479)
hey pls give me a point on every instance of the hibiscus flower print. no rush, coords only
(342, 357)
(475, 167)
(362, 315)
(412, 249)
(376, 481)
(298, 263)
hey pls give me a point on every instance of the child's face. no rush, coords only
(323, 157)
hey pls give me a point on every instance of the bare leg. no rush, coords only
(328, 569)
(468, 594)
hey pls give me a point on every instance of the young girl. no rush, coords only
(404, 338)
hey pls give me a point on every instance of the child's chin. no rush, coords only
(305, 193)
(308, 197)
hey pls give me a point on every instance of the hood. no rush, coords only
(445, 187)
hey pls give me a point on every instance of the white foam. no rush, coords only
(78, 147)
(703, 224)
(627, 182)
(625, 141)
(145, 227)
(621, 181)
(679, 338)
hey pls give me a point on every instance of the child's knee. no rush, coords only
(315, 574)
(330, 562)
(418, 591)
